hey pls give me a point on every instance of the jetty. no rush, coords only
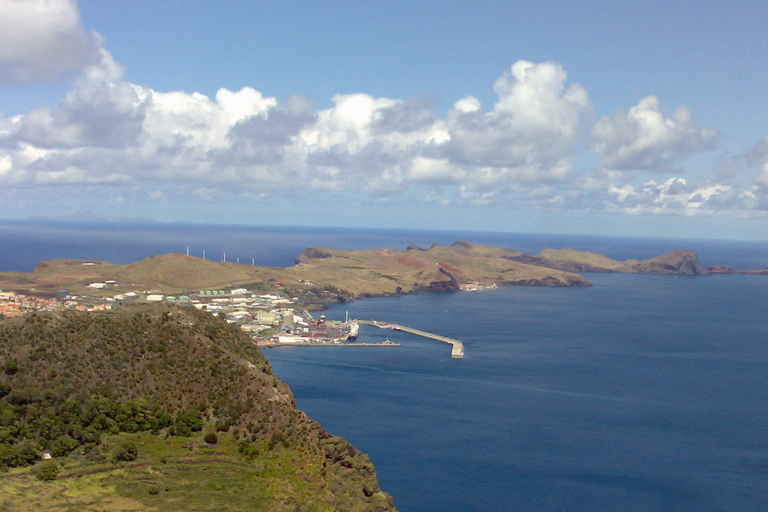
(457, 347)
(324, 344)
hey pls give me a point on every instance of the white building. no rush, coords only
(264, 317)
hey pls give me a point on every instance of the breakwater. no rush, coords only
(457, 347)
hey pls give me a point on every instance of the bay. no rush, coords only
(643, 392)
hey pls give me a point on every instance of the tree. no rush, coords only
(48, 471)
(125, 451)
(10, 366)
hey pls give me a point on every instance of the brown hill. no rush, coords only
(168, 273)
(324, 274)
(386, 271)
(174, 273)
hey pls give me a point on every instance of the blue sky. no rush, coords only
(643, 118)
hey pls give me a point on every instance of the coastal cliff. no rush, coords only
(158, 406)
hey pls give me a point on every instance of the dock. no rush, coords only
(316, 344)
(457, 347)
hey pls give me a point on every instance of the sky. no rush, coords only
(580, 117)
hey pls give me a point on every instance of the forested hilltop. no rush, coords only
(161, 408)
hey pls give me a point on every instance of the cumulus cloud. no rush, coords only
(108, 132)
(530, 133)
(43, 40)
(641, 138)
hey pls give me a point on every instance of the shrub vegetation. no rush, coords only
(121, 386)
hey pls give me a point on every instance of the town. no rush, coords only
(271, 319)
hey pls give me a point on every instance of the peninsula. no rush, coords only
(326, 275)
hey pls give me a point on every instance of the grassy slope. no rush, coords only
(176, 273)
(173, 474)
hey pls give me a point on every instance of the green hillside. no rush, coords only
(160, 408)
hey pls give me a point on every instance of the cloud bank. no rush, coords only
(108, 132)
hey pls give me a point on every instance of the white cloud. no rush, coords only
(6, 164)
(198, 122)
(430, 170)
(535, 99)
(529, 135)
(467, 105)
(680, 197)
(641, 138)
(42, 40)
(107, 127)
(168, 146)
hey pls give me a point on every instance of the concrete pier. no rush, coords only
(457, 347)
(316, 344)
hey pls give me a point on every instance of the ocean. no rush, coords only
(643, 392)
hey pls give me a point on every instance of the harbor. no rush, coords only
(457, 347)
(302, 330)
(328, 333)
(385, 343)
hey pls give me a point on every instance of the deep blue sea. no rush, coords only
(643, 392)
